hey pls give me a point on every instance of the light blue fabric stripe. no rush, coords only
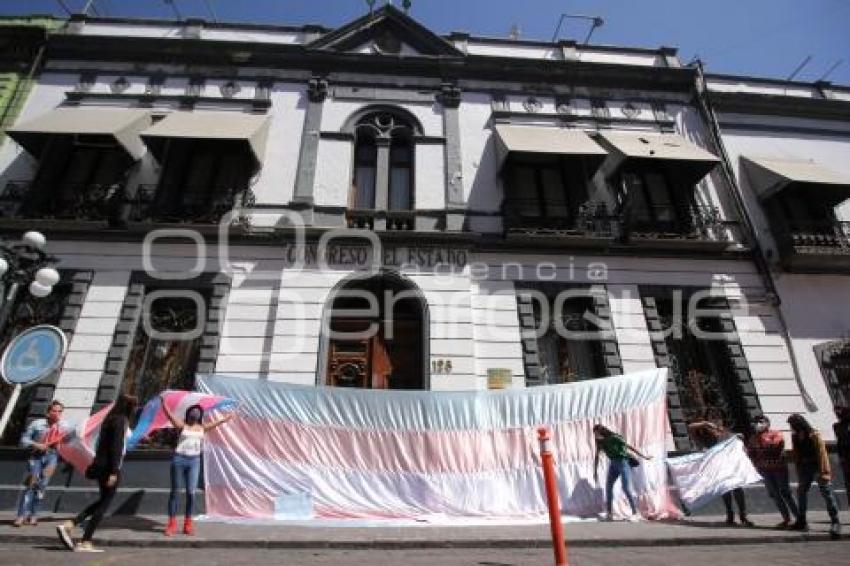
(438, 410)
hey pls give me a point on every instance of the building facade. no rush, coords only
(379, 206)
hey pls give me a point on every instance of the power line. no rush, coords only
(208, 4)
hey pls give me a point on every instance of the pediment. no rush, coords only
(387, 31)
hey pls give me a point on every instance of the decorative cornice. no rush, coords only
(779, 105)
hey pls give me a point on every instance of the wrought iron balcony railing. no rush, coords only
(170, 204)
(113, 204)
(591, 220)
(365, 219)
(701, 222)
(66, 202)
(821, 237)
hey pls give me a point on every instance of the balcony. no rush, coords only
(82, 203)
(591, 226)
(698, 228)
(390, 220)
(146, 206)
(822, 247)
(94, 206)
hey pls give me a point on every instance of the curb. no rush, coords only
(421, 544)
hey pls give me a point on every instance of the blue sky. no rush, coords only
(753, 37)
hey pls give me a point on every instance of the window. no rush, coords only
(834, 360)
(401, 169)
(649, 200)
(157, 364)
(570, 345)
(365, 170)
(701, 365)
(77, 178)
(383, 139)
(162, 361)
(546, 192)
(201, 179)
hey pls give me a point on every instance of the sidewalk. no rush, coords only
(146, 531)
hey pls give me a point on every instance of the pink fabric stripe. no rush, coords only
(429, 452)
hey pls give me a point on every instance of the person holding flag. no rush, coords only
(41, 437)
(186, 462)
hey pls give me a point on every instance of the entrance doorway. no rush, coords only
(375, 335)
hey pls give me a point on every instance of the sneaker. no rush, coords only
(86, 546)
(65, 531)
(19, 522)
(730, 521)
(786, 523)
(606, 517)
(635, 518)
(835, 530)
(746, 522)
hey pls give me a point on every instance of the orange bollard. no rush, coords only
(559, 543)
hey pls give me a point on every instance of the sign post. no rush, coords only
(31, 356)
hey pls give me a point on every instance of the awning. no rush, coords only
(122, 124)
(691, 163)
(546, 141)
(251, 129)
(770, 176)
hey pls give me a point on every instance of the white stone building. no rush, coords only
(177, 164)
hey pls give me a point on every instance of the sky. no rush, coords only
(767, 38)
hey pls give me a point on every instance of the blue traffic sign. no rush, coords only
(33, 355)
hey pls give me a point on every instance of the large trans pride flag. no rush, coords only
(420, 454)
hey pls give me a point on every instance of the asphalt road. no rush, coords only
(785, 554)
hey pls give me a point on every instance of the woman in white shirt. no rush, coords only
(186, 462)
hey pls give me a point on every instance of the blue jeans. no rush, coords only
(40, 468)
(805, 482)
(619, 467)
(778, 488)
(189, 467)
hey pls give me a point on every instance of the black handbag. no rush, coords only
(633, 462)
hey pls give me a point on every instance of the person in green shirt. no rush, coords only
(620, 457)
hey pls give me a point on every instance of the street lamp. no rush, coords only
(25, 263)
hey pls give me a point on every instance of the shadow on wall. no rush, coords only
(486, 193)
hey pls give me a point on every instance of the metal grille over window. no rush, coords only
(566, 334)
(709, 374)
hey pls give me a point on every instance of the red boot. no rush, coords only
(171, 527)
(188, 527)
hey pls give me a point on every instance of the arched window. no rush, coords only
(365, 171)
(401, 173)
(383, 162)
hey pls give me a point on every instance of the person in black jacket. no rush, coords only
(106, 469)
